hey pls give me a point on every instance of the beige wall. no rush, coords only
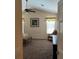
(39, 32)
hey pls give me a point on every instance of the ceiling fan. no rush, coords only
(29, 10)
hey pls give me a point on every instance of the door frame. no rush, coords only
(18, 30)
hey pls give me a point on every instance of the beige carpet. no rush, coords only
(38, 49)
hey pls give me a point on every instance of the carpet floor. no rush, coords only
(38, 49)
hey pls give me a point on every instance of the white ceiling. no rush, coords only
(49, 5)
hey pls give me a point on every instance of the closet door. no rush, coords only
(60, 18)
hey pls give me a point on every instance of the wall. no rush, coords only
(38, 32)
(18, 31)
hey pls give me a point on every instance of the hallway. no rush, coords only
(38, 49)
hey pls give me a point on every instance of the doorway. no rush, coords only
(18, 23)
(36, 28)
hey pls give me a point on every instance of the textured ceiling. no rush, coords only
(47, 5)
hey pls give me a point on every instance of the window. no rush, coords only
(50, 26)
